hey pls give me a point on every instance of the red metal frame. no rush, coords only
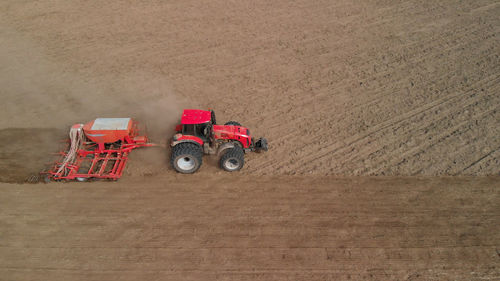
(98, 160)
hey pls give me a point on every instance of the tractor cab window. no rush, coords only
(188, 129)
(199, 130)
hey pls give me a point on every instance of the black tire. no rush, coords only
(186, 157)
(233, 159)
(233, 123)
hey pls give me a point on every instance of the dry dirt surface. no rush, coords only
(339, 88)
(240, 228)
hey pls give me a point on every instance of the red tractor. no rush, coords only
(199, 134)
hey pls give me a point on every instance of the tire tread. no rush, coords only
(187, 148)
(236, 152)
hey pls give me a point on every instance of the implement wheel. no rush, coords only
(85, 168)
(186, 157)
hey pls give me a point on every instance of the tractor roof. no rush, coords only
(195, 116)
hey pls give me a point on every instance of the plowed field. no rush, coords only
(408, 90)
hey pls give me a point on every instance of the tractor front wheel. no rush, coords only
(186, 157)
(233, 159)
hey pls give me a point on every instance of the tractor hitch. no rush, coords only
(260, 145)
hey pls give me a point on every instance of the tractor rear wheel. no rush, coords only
(233, 159)
(233, 123)
(186, 157)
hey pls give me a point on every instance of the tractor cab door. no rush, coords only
(203, 131)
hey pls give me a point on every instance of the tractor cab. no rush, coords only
(195, 122)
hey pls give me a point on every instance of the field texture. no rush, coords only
(291, 228)
(344, 91)
(338, 87)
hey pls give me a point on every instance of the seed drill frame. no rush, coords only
(97, 150)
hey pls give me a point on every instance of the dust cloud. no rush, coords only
(42, 98)
(38, 92)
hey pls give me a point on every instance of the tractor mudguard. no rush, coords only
(178, 138)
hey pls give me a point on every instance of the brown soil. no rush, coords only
(23, 152)
(241, 228)
(342, 88)
(345, 88)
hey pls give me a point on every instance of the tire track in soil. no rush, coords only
(293, 71)
(414, 152)
(447, 113)
(436, 55)
(384, 125)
